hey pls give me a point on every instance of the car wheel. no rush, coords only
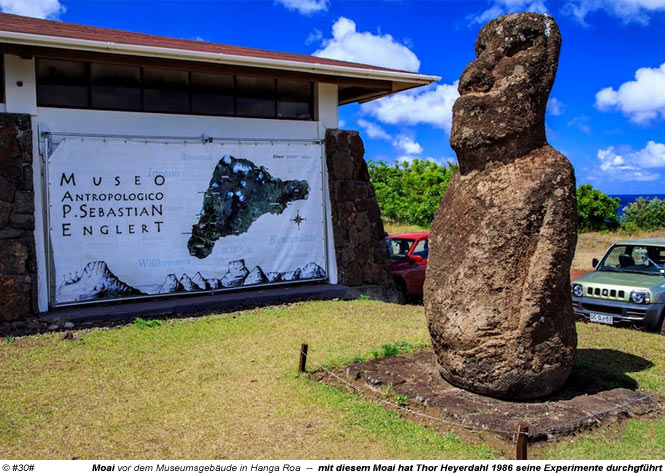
(662, 323)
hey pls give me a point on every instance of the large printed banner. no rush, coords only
(131, 218)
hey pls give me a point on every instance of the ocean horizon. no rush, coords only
(625, 200)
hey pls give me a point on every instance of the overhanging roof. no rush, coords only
(46, 38)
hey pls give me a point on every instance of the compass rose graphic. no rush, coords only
(298, 219)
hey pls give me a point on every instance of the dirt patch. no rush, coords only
(413, 381)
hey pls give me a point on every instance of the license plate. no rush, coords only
(600, 318)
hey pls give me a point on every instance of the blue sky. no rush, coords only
(607, 107)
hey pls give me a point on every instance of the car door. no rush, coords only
(416, 277)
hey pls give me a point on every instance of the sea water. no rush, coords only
(625, 200)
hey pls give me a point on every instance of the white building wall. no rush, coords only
(326, 104)
(20, 85)
(95, 122)
(327, 110)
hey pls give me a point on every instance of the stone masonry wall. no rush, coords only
(360, 248)
(18, 267)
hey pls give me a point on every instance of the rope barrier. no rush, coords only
(465, 426)
(357, 350)
(411, 411)
(330, 350)
(594, 415)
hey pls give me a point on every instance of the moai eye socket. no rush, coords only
(524, 40)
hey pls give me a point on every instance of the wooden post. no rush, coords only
(303, 358)
(521, 445)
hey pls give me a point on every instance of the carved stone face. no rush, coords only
(500, 114)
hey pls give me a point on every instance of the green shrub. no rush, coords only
(644, 214)
(595, 210)
(401, 400)
(394, 349)
(390, 349)
(141, 323)
(629, 228)
(410, 192)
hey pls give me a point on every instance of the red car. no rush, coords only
(409, 261)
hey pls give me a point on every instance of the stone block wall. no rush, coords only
(360, 248)
(18, 267)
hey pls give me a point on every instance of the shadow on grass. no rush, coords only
(599, 370)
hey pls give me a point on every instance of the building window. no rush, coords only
(212, 94)
(115, 87)
(62, 83)
(295, 100)
(82, 85)
(165, 90)
(255, 97)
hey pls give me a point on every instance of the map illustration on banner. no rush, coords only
(132, 219)
(239, 192)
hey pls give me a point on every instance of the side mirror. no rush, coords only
(594, 262)
(416, 258)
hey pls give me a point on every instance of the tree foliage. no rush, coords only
(410, 192)
(644, 214)
(596, 211)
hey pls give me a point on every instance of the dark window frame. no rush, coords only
(234, 94)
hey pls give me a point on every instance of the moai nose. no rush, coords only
(477, 77)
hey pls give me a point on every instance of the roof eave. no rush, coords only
(410, 79)
(371, 96)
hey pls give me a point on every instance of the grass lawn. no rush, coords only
(225, 386)
(400, 228)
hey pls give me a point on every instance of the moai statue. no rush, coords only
(497, 293)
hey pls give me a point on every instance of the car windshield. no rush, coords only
(399, 247)
(630, 258)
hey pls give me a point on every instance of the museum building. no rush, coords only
(135, 167)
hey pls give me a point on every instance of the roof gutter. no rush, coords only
(209, 57)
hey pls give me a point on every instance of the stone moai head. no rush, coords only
(500, 114)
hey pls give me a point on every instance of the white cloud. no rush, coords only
(642, 100)
(555, 106)
(581, 122)
(441, 160)
(341, 123)
(628, 11)
(374, 131)
(348, 44)
(652, 156)
(314, 37)
(637, 11)
(502, 7)
(408, 145)
(630, 165)
(306, 7)
(427, 105)
(50, 9)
